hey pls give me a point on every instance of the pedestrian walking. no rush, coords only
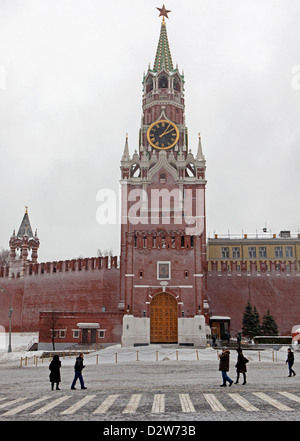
(224, 367)
(241, 367)
(290, 362)
(78, 372)
(54, 376)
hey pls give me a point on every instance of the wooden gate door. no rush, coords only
(163, 319)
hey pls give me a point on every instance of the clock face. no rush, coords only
(163, 134)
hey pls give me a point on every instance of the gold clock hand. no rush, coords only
(165, 133)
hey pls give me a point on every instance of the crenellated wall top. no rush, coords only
(65, 266)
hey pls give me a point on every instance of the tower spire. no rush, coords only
(163, 53)
(126, 156)
(200, 156)
(25, 227)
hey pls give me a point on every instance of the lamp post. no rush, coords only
(10, 311)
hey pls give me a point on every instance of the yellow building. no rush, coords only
(281, 248)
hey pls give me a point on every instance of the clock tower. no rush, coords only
(163, 239)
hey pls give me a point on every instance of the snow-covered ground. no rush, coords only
(117, 354)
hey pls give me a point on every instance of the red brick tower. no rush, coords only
(163, 240)
(24, 242)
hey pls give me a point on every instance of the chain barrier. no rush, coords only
(155, 355)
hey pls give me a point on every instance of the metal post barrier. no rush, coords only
(177, 355)
(97, 359)
(156, 355)
(116, 357)
(137, 355)
(258, 355)
(197, 355)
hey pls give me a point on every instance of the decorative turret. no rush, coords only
(24, 242)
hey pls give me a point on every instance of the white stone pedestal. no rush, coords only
(136, 330)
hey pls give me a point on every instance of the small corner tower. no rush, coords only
(20, 246)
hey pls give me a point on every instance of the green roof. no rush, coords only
(163, 53)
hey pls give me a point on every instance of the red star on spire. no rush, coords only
(163, 11)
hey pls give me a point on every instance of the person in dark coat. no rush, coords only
(290, 362)
(54, 367)
(241, 366)
(78, 372)
(224, 367)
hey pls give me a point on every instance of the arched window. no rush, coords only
(135, 171)
(162, 178)
(149, 85)
(163, 82)
(176, 85)
(190, 170)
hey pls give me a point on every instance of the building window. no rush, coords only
(54, 333)
(252, 252)
(62, 333)
(101, 333)
(288, 251)
(262, 251)
(141, 273)
(278, 252)
(103, 308)
(76, 333)
(236, 254)
(186, 273)
(225, 253)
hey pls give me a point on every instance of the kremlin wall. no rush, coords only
(87, 290)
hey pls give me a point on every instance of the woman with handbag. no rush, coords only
(241, 366)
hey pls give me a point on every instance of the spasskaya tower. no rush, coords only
(163, 239)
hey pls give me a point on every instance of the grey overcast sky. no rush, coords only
(71, 88)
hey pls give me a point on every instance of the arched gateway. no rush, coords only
(164, 319)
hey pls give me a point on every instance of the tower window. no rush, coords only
(162, 178)
(149, 86)
(176, 85)
(163, 82)
(141, 273)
